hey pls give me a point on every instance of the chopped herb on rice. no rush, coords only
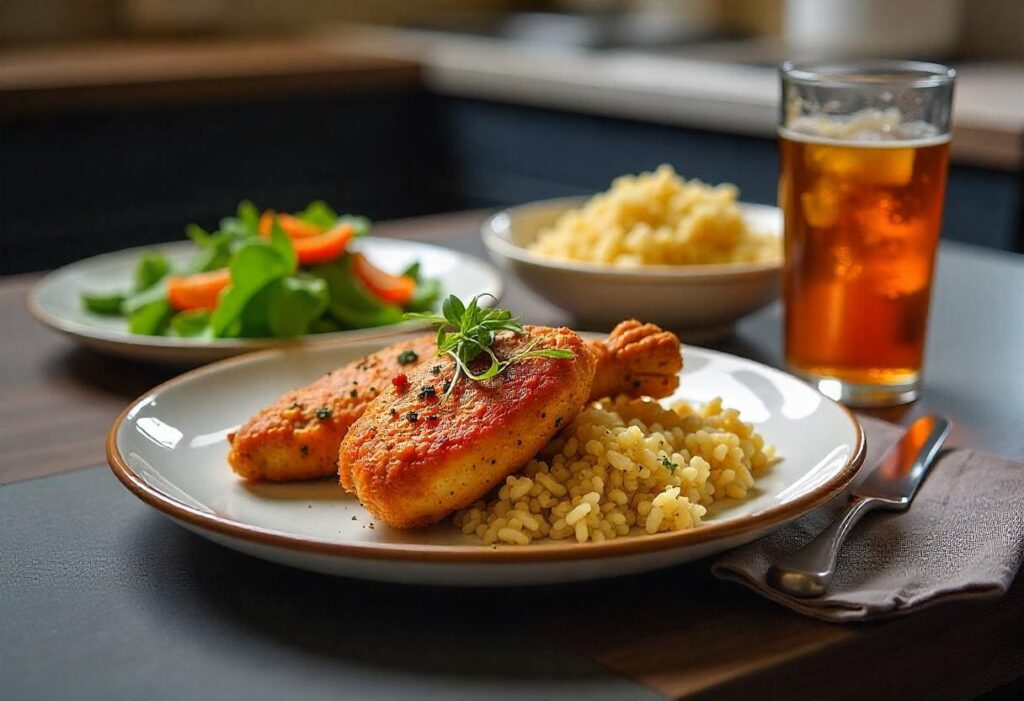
(602, 477)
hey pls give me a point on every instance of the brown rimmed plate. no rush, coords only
(169, 448)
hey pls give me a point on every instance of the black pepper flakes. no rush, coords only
(304, 449)
(406, 357)
(413, 417)
(427, 391)
(323, 413)
(436, 370)
(353, 394)
(392, 411)
(433, 417)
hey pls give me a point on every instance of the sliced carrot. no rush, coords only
(266, 223)
(397, 289)
(292, 226)
(199, 291)
(297, 228)
(324, 247)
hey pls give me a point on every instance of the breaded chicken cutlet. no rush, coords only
(416, 455)
(298, 436)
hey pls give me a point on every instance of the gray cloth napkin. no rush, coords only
(963, 536)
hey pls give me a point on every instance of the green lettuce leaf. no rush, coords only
(294, 303)
(245, 224)
(191, 323)
(151, 269)
(105, 304)
(253, 267)
(425, 297)
(215, 250)
(150, 319)
(280, 242)
(351, 304)
(319, 214)
(133, 303)
(413, 271)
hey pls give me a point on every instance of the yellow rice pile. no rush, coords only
(624, 467)
(658, 219)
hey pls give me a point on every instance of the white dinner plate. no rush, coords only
(169, 448)
(56, 300)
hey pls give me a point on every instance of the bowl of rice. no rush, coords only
(680, 253)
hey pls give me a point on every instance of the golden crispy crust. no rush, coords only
(287, 441)
(297, 437)
(637, 359)
(413, 458)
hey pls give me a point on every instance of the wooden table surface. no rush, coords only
(57, 401)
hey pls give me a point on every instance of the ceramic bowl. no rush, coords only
(701, 302)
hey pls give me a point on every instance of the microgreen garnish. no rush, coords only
(465, 332)
(669, 464)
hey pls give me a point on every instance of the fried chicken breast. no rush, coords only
(413, 457)
(297, 437)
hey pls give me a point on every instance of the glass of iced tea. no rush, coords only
(863, 158)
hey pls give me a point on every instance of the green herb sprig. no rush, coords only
(671, 466)
(467, 331)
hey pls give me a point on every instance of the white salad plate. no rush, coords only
(170, 449)
(56, 300)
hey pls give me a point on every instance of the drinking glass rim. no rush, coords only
(916, 74)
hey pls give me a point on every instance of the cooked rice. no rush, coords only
(624, 467)
(658, 219)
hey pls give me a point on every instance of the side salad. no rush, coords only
(268, 274)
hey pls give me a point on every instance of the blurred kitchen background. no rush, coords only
(123, 120)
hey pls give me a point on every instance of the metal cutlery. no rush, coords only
(892, 484)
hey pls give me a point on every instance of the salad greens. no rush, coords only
(262, 274)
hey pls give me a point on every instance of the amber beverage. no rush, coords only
(864, 152)
(862, 227)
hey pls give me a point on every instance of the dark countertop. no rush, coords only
(108, 596)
